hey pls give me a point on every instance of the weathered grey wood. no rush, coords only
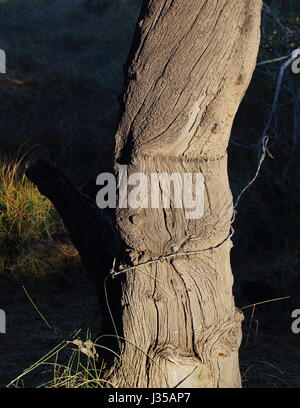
(190, 66)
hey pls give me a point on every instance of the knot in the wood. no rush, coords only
(136, 219)
(175, 247)
(216, 129)
(222, 340)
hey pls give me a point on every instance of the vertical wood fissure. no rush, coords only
(191, 68)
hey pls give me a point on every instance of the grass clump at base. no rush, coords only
(32, 238)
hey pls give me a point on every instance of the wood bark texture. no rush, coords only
(188, 71)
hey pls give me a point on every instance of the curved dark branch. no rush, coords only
(91, 229)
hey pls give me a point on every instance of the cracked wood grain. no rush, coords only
(188, 71)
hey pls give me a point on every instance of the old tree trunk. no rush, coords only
(190, 65)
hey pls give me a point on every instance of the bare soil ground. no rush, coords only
(270, 353)
(68, 304)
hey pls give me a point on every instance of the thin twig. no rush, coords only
(265, 301)
(271, 61)
(262, 158)
(282, 70)
(36, 308)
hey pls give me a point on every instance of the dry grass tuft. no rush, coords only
(32, 238)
